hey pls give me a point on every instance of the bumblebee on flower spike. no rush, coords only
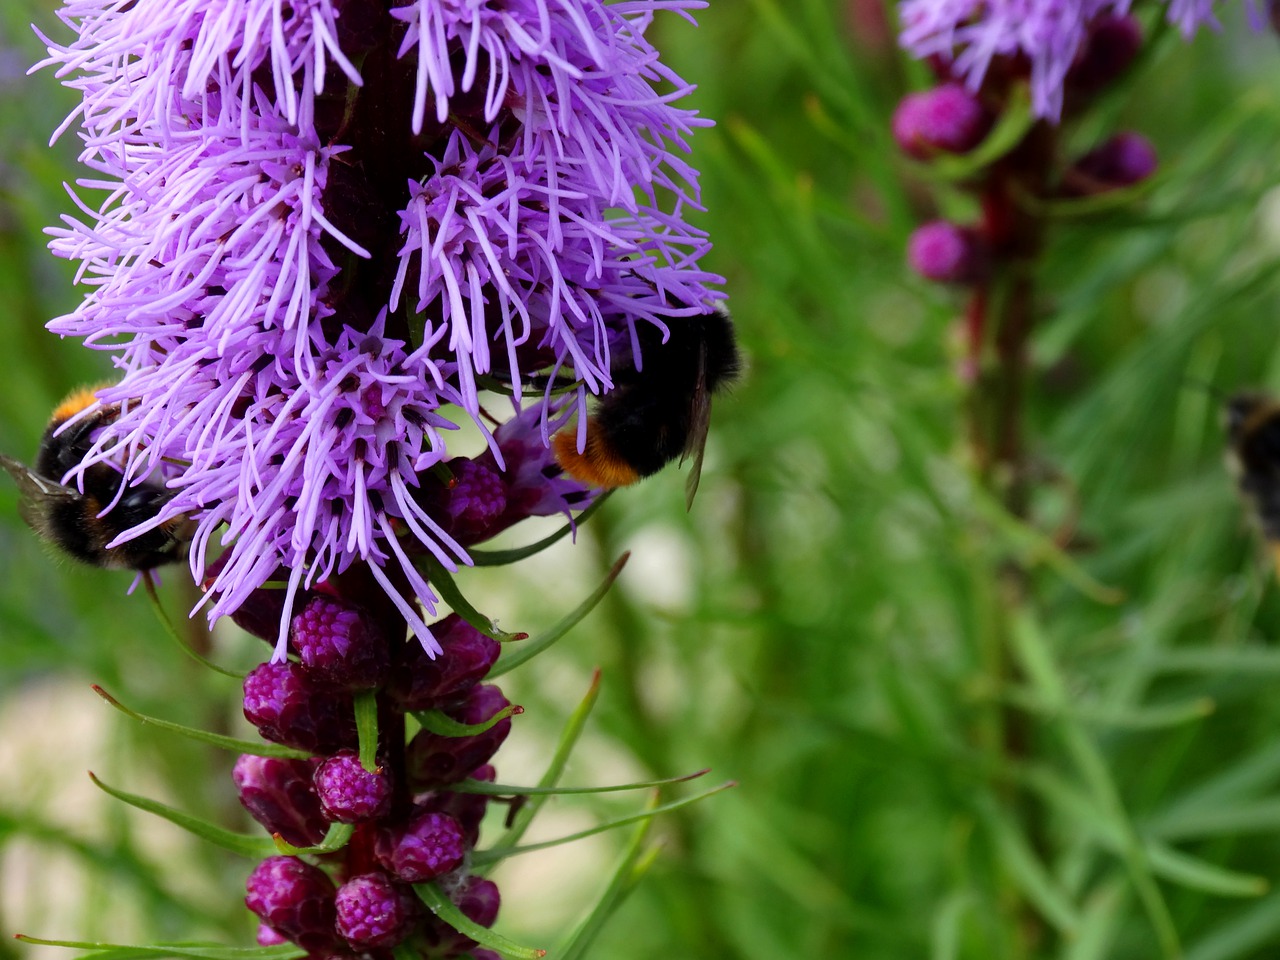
(83, 525)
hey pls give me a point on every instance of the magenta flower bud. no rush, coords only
(287, 707)
(947, 118)
(467, 808)
(1110, 48)
(278, 794)
(476, 501)
(348, 792)
(338, 644)
(1125, 159)
(429, 845)
(944, 252)
(433, 760)
(479, 900)
(374, 911)
(295, 899)
(421, 683)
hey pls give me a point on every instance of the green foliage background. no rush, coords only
(925, 769)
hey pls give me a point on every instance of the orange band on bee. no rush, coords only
(77, 400)
(597, 465)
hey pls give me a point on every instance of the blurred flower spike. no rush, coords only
(316, 229)
(1047, 38)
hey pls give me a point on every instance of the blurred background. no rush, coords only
(924, 768)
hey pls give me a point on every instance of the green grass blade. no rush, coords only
(258, 748)
(243, 844)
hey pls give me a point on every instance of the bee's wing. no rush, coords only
(36, 492)
(699, 424)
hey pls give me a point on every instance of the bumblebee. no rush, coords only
(660, 411)
(74, 522)
(1253, 432)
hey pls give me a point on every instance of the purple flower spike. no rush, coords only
(288, 708)
(433, 760)
(278, 794)
(374, 911)
(295, 899)
(348, 792)
(1047, 34)
(948, 118)
(1125, 159)
(943, 252)
(429, 845)
(305, 266)
(340, 645)
(421, 683)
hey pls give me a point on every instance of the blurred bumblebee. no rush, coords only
(73, 521)
(660, 412)
(1253, 431)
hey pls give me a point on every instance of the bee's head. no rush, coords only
(1240, 410)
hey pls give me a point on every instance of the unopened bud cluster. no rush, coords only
(952, 120)
(408, 826)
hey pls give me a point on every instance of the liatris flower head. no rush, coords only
(375, 911)
(947, 118)
(295, 899)
(339, 644)
(278, 793)
(289, 707)
(329, 226)
(348, 792)
(1043, 38)
(944, 252)
(429, 845)
(1122, 161)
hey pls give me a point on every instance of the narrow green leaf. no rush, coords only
(447, 910)
(243, 844)
(512, 657)
(334, 840)
(498, 558)
(1030, 874)
(506, 790)
(1257, 660)
(443, 581)
(443, 725)
(568, 737)
(494, 854)
(1200, 875)
(625, 877)
(195, 951)
(1262, 816)
(258, 748)
(947, 926)
(366, 707)
(1098, 923)
(1101, 714)
(172, 632)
